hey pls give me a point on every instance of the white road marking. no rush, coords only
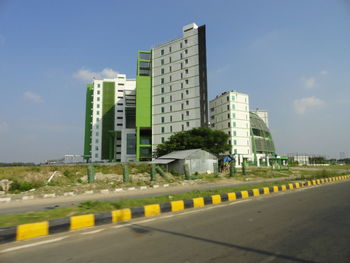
(92, 232)
(33, 244)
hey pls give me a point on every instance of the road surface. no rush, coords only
(307, 225)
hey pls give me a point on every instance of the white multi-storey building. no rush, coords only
(229, 112)
(112, 131)
(179, 85)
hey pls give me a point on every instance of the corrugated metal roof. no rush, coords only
(162, 161)
(179, 154)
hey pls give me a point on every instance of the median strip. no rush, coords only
(76, 222)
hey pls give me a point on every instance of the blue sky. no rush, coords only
(291, 56)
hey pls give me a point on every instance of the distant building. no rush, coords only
(229, 112)
(249, 134)
(110, 120)
(73, 158)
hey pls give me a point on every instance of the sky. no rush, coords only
(291, 56)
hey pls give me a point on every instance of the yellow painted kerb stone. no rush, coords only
(27, 231)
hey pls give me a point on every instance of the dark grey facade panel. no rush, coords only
(202, 50)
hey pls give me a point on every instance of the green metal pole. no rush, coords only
(125, 173)
(153, 172)
(244, 167)
(90, 174)
(232, 168)
(160, 171)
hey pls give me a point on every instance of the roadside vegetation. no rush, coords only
(34, 179)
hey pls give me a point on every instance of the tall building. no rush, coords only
(179, 85)
(127, 119)
(110, 120)
(229, 112)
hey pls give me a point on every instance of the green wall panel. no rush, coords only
(88, 120)
(108, 120)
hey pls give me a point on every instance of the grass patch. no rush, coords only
(105, 206)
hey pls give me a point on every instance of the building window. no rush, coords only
(234, 124)
(228, 107)
(233, 115)
(186, 71)
(162, 62)
(171, 98)
(98, 112)
(182, 117)
(96, 155)
(162, 139)
(186, 51)
(228, 98)
(98, 92)
(229, 142)
(186, 61)
(162, 71)
(182, 75)
(96, 133)
(233, 98)
(170, 88)
(96, 148)
(185, 41)
(182, 85)
(182, 95)
(162, 89)
(187, 113)
(98, 85)
(131, 143)
(162, 80)
(169, 59)
(182, 106)
(96, 141)
(229, 124)
(187, 92)
(162, 52)
(180, 44)
(187, 102)
(182, 127)
(162, 109)
(188, 124)
(171, 128)
(170, 78)
(233, 106)
(235, 133)
(229, 133)
(186, 81)
(171, 108)
(163, 129)
(98, 105)
(182, 66)
(162, 119)
(228, 116)
(119, 118)
(170, 69)
(162, 99)
(145, 56)
(169, 49)
(235, 151)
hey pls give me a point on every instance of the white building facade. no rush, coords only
(179, 85)
(229, 112)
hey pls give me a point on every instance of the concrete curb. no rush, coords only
(27, 231)
(88, 192)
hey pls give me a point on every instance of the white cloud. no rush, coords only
(324, 72)
(33, 97)
(4, 127)
(303, 105)
(87, 75)
(309, 83)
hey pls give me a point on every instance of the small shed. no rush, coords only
(198, 160)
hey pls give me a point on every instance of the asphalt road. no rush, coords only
(308, 225)
(22, 206)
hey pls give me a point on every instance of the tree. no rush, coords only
(213, 141)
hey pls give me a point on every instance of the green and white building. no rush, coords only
(248, 130)
(127, 119)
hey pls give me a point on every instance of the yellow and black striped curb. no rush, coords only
(27, 231)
